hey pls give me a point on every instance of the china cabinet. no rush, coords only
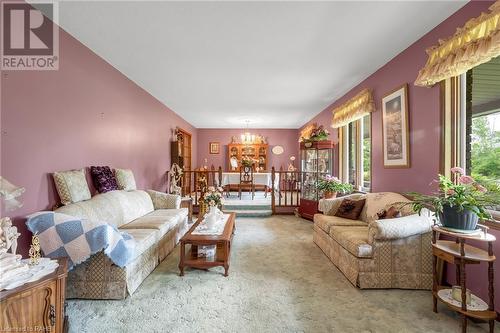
(316, 161)
(257, 152)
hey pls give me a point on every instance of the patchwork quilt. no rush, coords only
(63, 235)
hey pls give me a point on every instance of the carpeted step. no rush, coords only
(246, 207)
(250, 213)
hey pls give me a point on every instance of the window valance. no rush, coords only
(475, 43)
(354, 109)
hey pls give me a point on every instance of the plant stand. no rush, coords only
(459, 253)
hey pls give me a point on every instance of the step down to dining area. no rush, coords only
(260, 206)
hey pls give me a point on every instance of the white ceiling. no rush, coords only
(276, 64)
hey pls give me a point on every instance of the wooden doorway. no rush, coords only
(181, 149)
(180, 152)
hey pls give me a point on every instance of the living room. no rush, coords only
(250, 166)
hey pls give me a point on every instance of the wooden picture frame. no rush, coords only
(214, 147)
(396, 128)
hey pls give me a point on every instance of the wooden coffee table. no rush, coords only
(222, 243)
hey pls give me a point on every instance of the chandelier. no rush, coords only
(247, 137)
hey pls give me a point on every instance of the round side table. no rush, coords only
(459, 253)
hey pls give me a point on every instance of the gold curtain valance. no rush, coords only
(354, 109)
(475, 43)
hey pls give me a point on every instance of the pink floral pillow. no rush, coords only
(103, 178)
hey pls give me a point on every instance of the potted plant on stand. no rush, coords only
(331, 186)
(460, 201)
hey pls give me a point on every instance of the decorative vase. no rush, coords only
(213, 216)
(308, 144)
(451, 217)
(329, 194)
(456, 294)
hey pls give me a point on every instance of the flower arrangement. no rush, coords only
(330, 186)
(247, 161)
(318, 133)
(213, 196)
(461, 194)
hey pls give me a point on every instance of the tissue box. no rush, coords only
(206, 251)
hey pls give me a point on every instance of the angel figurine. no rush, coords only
(175, 179)
(8, 236)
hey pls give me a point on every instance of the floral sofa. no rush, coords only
(156, 222)
(372, 253)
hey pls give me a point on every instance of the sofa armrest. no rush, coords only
(330, 206)
(164, 200)
(400, 227)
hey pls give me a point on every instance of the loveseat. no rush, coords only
(377, 253)
(156, 222)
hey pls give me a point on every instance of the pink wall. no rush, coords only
(288, 138)
(424, 107)
(86, 113)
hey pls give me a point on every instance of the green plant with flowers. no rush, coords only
(334, 185)
(460, 191)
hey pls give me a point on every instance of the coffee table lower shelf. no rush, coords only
(222, 242)
(191, 259)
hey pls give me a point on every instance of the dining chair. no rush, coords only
(246, 180)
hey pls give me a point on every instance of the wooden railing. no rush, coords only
(285, 186)
(192, 182)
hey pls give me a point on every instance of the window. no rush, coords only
(352, 145)
(484, 147)
(482, 124)
(367, 151)
(355, 152)
(471, 124)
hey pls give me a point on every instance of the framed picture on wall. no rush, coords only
(396, 128)
(214, 147)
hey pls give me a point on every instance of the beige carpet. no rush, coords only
(279, 281)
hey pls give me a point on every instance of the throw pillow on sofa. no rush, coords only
(350, 209)
(404, 208)
(125, 179)
(71, 186)
(103, 178)
(390, 213)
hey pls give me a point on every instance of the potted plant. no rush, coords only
(460, 201)
(331, 186)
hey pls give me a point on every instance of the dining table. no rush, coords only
(259, 179)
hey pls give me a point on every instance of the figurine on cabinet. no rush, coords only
(175, 179)
(8, 236)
